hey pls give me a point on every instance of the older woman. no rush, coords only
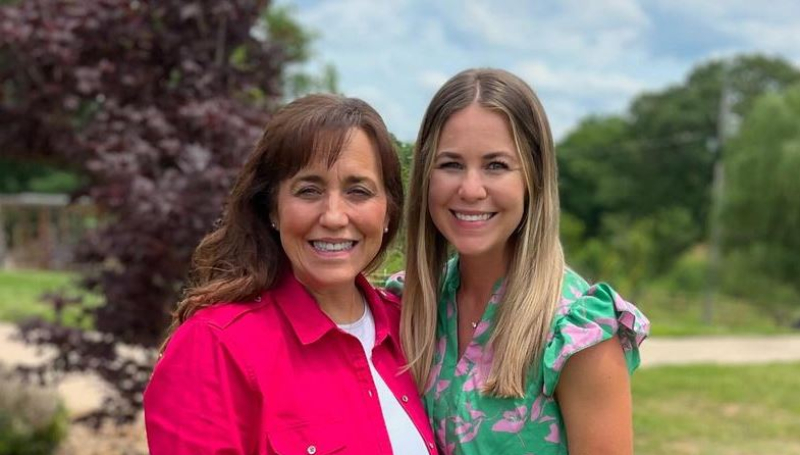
(514, 351)
(281, 345)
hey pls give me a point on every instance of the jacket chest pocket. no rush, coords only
(310, 439)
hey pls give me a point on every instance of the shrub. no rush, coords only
(32, 419)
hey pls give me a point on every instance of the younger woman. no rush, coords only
(514, 352)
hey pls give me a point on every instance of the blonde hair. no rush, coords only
(536, 267)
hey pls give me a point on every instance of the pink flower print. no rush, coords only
(563, 307)
(547, 419)
(440, 348)
(498, 295)
(591, 290)
(577, 293)
(555, 434)
(611, 323)
(462, 368)
(580, 337)
(473, 353)
(441, 436)
(441, 430)
(473, 381)
(432, 376)
(536, 407)
(512, 421)
(467, 431)
(437, 367)
(451, 308)
(474, 413)
(441, 386)
(481, 329)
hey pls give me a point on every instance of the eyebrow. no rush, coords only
(310, 178)
(316, 179)
(488, 156)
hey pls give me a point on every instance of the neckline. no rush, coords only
(360, 321)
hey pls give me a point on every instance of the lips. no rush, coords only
(473, 217)
(334, 246)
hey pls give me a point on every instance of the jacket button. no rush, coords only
(311, 450)
(405, 398)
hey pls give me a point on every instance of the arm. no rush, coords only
(595, 399)
(198, 400)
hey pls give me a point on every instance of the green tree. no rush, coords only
(677, 131)
(652, 169)
(761, 206)
(596, 172)
(281, 26)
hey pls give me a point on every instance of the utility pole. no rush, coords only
(727, 126)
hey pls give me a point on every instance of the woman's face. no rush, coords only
(331, 219)
(476, 196)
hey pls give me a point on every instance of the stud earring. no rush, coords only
(386, 230)
(273, 226)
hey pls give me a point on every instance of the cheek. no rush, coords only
(371, 219)
(439, 190)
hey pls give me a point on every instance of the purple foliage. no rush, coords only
(157, 102)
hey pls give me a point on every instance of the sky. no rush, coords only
(582, 57)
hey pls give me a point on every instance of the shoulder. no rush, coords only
(238, 323)
(389, 299)
(223, 315)
(573, 284)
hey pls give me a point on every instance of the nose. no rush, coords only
(472, 187)
(334, 215)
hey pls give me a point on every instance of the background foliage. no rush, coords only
(153, 104)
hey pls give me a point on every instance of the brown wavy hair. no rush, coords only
(243, 255)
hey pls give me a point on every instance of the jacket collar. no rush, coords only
(310, 323)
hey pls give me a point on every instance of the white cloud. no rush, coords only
(582, 81)
(432, 80)
(582, 57)
(771, 28)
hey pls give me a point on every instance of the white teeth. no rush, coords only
(339, 246)
(464, 217)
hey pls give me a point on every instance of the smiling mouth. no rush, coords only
(333, 247)
(473, 217)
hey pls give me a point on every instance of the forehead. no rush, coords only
(358, 155)
(476, 127)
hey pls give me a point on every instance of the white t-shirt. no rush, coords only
(403, 435)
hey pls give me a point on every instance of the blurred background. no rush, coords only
(123, 123)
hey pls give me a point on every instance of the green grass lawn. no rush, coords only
(21, 291)
(717, 410)
(675, 314)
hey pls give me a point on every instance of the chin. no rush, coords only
(330, 279)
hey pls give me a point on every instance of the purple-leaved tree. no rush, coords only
(156, 102)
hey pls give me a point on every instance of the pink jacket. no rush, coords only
(276, 376)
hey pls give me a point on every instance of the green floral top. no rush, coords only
(469, 423)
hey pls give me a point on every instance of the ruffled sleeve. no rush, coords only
(395, 283)
(586, 320)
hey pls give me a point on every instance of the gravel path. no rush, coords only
(720, 349)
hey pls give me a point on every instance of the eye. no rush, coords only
(360, 192)
(309, 191)
(497, 166)
(452, 165)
